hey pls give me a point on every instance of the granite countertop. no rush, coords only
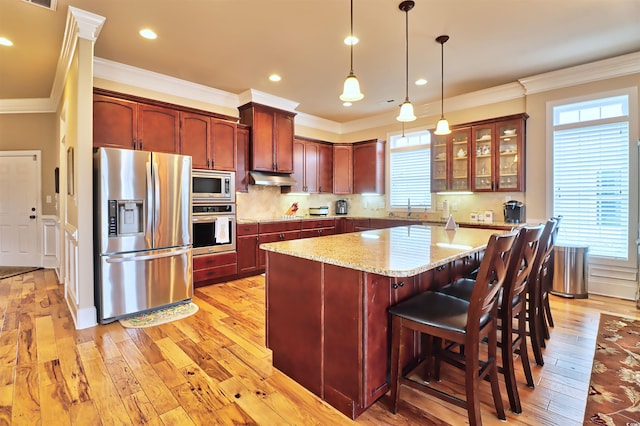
(402, 251)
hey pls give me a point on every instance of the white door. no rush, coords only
(19, 216)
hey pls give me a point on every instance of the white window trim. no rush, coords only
(632, 93)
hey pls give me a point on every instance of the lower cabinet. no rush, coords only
(210, 268)
(247, 242)
(318, 228)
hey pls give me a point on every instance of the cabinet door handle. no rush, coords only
(140, 144)
(394, 285)
(401, 283)
(441, 268)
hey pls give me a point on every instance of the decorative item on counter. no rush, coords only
(451, 224)
(292, 210)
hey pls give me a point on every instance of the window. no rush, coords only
(591, 175)
(410, 170)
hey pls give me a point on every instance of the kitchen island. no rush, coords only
(327, 300)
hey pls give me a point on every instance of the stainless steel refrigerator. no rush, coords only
(142, 231)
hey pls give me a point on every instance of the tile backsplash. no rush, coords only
(266, 202)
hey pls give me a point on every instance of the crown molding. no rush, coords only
(138, 77)
(80, 24)
(27, 106)
(581, 74)
(318, 123)
(264, 98)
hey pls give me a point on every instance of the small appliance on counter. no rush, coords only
(341, 207)
(319, 211)
(513, 211)
(488, 216)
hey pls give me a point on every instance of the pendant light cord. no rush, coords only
(442, 79)
(406, 79)
(351, 36)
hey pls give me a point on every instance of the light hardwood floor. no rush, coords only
(213, 367)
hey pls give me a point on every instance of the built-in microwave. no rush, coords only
(213, 186)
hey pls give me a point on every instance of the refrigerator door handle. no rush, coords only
(146, 255)
(156, 193)
(150, 209)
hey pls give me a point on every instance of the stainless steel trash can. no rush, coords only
(570, 271)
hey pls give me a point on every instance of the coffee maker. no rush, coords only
(513, 211)
(341, 207)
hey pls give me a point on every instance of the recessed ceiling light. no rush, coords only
(421, 82)
(351, 40)
(347, 104)
(148, 34)
(275, 77)
(5, 41)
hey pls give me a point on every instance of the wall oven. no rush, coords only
(214, 228)
(213, 186)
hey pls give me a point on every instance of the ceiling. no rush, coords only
(233, 45)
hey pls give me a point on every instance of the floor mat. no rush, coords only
(161, 316)
(10, 271)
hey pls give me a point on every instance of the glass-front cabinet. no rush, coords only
(460, 155)
(483, 156)
(439, 161)
(450, 161)
(509, 167)
(483, 166)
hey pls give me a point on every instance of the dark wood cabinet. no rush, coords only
(196, 138)
(115, 122)
(271, 137)
(121, 123)
(211, 142)
(498, 154)
(368, 167)
(211, 268)
(158, 129)
(131, 122)
(318, 228)
(450, 164)
(242, 159)
(223, 145)
(342, 169)
(313, 167)
(247, 242)
(271, 232)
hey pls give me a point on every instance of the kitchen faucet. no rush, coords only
(408, 207)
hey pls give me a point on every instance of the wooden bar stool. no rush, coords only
(439, 317)
(512, 307)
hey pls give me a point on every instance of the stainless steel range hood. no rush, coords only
(271, 179)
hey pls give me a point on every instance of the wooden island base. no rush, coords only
(327, 300)
(328, 326)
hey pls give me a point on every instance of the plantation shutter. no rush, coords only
(410, 176)
(591, 186)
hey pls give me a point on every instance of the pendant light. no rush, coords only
(351, 91)
(406, 109)
(442, 128)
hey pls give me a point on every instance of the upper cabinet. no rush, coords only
(498, 148)
(121, 123)
(451, 169)
(271, 137)
(483, 156)
(127, 121)
(342, 168)
(313, 167)
(242, 159)
(210, 141)
(368, 167)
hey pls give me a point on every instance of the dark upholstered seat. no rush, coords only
(440, 317)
